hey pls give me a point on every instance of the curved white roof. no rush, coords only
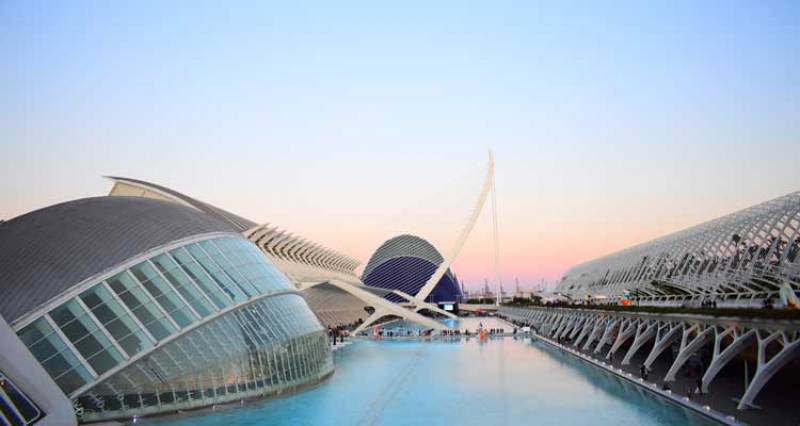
(754, 250)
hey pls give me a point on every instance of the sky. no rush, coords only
(612, 123)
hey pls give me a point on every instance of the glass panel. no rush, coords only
(211, 288)
(222, 279)
(163, 294)
(116, 320)
(258, 269)
(85, 335)
(231, 271)
(183, 284)
(54, 355)
(270, 344)
(142, 306)
(255, 267)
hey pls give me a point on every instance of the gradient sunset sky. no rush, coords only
(348, 122)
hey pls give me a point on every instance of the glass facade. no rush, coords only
(270, 344)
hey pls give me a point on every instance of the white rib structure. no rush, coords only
(288, 250)
(325, 276)
(488, 184)
(344, 298)
(382, 307)
(775, 342)
(310, 265)
(739, 260)
(496, 238)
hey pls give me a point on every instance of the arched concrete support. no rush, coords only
(372, 319)
(688, 348)
(564, 324)
(419, 305)
(544, 325)
(529, 318)
(561, 326)
(627, 329)
(767, 369)
(571, 325)
(644, 333)
(380, 305)
(549, 324)
(557, 325)
(588, 327)
(598, 327)
(573, 321)
(578, 327)
(434, 308)
(695, 331)
(722, 358)
(535, 320)
(610, 328)
(662, 342)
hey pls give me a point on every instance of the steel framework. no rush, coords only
(738, 259)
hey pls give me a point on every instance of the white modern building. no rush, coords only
(148, 301)
(135, 306)
(405, 263)
(326, 277)
(740, 259)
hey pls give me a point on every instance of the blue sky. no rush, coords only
(612, 122)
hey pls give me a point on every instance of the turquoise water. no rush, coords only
(402, 328)
(502, 381)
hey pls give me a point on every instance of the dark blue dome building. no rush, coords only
(406, 263)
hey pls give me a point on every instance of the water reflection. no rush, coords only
(502, 381)
(620, 388)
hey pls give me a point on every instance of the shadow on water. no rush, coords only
(621, 389)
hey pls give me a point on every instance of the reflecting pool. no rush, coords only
(460, 382)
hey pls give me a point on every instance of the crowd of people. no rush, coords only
(466, 332)
(400, 333)
(708, 303)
